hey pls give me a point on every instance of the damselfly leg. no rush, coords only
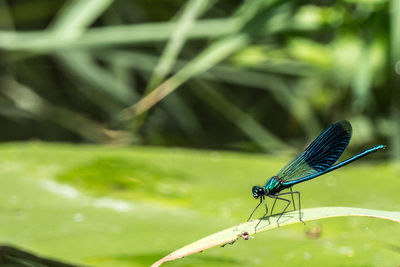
(287, 193)
(261, 200)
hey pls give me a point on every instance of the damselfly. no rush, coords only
(317, 159)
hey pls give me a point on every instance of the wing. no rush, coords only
(321, 154)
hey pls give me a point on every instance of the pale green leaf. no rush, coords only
(244, 230)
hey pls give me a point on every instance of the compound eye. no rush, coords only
(255, 190)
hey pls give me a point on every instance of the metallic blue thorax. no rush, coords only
(273, 186)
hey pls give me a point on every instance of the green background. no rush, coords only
(132, 128)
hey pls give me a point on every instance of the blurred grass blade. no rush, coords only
(207, 59)
(191, 11)
(297, 105)
(81, 65)
(77, 15)
(185, 20)
(38, 108)
(230, 235)
(48, 41)
(362, 81)
(249, 9)
(122, 73)
(266, 140)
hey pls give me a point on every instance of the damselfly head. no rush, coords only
(257, 191)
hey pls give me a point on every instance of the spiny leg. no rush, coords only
(294, 206)
(266, 207)
(255, 209)
(288, 204)
(286, 193)
(273, 205)
(298, 194)
(266, 213)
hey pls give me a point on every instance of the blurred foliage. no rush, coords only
(253, 75)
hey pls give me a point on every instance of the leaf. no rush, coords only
(230, 235)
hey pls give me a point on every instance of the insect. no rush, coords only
(317, 159)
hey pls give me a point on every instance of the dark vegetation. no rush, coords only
(70, 71)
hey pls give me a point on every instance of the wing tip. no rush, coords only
(346, 125)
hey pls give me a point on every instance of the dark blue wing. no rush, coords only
(321, 154)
